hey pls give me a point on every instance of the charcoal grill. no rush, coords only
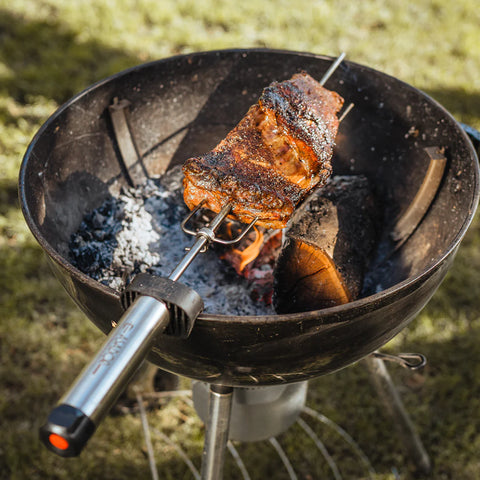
(182, 106)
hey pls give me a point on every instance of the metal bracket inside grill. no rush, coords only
(130, 157)
(414, 214)
(184, 304)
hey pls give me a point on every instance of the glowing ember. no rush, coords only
(250, 253)
(256, 263)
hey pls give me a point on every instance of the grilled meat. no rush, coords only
(276, 154)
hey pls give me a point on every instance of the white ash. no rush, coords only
(139, 231)
(133, 240)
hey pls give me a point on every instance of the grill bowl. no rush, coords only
(184, 105)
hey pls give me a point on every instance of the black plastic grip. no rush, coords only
(184, 304)
(67, 431)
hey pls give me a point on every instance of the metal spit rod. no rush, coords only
(332, 68)
(71, 424)
(73, 421)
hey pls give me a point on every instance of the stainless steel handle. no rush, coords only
(71, 424)
(103, 380)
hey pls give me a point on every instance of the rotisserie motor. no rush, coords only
(271, 160)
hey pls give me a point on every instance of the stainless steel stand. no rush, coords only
(216, 434)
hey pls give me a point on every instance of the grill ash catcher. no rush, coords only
(181, 106)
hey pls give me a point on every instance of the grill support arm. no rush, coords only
(386, 390)
(216, 434)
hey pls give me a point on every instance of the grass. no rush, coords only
(52, 49)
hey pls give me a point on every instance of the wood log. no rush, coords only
(327, 247)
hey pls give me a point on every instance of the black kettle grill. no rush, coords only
(184, 105)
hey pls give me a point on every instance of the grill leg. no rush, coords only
(390, 398)
(216, 434)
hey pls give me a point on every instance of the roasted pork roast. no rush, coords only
(278, 152)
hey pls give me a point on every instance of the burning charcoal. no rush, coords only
(140, 232)
(92, 256)
(92, 247)
(327, 248)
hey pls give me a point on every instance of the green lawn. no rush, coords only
(52, 49)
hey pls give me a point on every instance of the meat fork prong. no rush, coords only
(239, 237)
(189, 217)
(208, 231)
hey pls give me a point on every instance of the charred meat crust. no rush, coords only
(275, 155)
(307, 110)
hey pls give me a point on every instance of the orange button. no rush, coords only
(58, 441)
